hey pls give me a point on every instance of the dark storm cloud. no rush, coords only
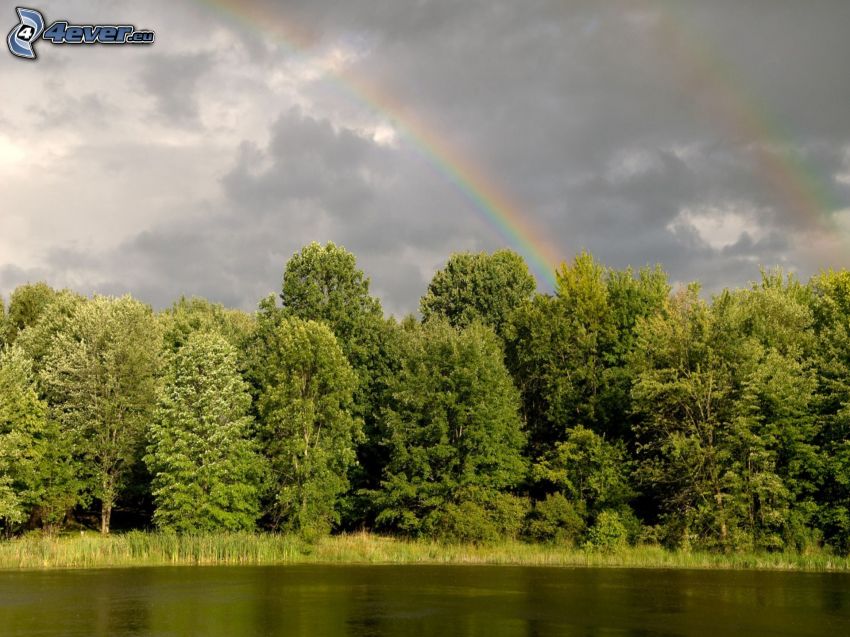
(643, 131)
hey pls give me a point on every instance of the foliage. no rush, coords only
(452, 427)
(607, 412)
(38, 478)
(100, 374)
(556, 519)
(22, 429)
(480, 515)
(568, 353)
(608, 533)
(478, 287)
(323, 283)
(205, 471)
(26, 306)
(188, 316)
(588, 469)
(304, 388)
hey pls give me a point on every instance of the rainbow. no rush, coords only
(783, 169)
(501, 211)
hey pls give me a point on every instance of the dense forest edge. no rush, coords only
(615, 421)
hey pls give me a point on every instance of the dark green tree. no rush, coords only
(478, 287)
(454, 437)
(323, 283)
(26, 305)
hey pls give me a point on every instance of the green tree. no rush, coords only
(727, 439)
(304, 400)
(830, 302)
(454, 436)
(478, 287)
(37, 474)
(323, 283)
(778, 467)
(568, 353)
(683, 393)
(26, 305)
(100, 374)
(588, 469)
(36, 333)
(22, 427)
(190, 315)
(205, 471)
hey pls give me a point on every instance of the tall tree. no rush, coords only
(568, 353)
(454, 435)
(22, 427)
(323, 283)
(38, 476)
(305, 391)
(831, 312)
(206, 474)
(683, 392)
(100, 375)
(478, 287)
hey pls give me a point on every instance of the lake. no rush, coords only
(421, 600)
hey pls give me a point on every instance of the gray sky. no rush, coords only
(710, 137)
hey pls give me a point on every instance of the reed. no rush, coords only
(138, 548)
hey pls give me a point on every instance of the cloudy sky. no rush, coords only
(710, 137)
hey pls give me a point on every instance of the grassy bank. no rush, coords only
(156, 549)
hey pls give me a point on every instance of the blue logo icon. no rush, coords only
(31, 27)
(23, 36)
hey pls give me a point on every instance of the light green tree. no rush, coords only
(568, 352)
(206, 474)
(42, 314)
(304, 400)
(190, 315)
(38, 476)
(100, 374)
(22, 428)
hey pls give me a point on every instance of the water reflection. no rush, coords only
(421, 600)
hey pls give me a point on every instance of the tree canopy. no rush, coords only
(612, 409)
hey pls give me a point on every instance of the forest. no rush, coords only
(618, 410)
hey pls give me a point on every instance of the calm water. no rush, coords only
(421, 600)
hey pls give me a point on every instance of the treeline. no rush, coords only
(614, 411)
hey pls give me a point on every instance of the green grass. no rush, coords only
(158, 549)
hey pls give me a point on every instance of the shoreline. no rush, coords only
(138, 549)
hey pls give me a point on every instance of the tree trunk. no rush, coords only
(105, 516)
